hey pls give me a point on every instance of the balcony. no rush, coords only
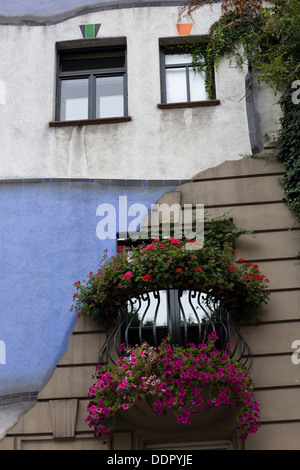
(184, 315)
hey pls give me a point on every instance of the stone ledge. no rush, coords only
(90, 122)
(189, 104)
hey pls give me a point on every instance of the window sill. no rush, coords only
(90, 122)
(189, 104)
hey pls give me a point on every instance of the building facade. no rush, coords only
(101, 109)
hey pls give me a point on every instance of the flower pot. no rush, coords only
(184, 29)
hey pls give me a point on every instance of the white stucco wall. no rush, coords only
(155, 144)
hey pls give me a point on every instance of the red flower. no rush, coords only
(178, 270)
(198, 269)
(128, 275)
(241, 260)
(232, 268)
(146, 277)
(148, 247)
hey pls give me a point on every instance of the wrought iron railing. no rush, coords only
(185, 316)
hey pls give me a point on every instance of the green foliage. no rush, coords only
(238, 6)
(288, 150)
(268, 39)
(202, 61)
(222, 230)
(174, 263)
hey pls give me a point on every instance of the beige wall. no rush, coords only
(250, 189)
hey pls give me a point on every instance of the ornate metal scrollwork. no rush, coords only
(186, 316)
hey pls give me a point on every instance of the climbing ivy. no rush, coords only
(238, 6)
(268, 41)
(288, 150)
(201, 61)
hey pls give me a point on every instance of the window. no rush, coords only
(181, 80)
(91, 83)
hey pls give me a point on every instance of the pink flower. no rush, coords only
(148, 247)
(128, 275)
(125, 406)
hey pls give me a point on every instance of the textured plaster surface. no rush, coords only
(48, 242)
(10, 415)
(156, 143)
(42, 10)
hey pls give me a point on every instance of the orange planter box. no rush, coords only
(184, 29)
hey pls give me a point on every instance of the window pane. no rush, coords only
(109, 97)
(178, 59)
(74, 99)
(93, 60)
(197, 87)
(149, 311)
(176, 85)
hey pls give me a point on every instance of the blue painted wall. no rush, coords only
(48, 241)
(48, 10)
(44, 8)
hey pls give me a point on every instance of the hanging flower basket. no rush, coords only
(173, 378)
(167, 263)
